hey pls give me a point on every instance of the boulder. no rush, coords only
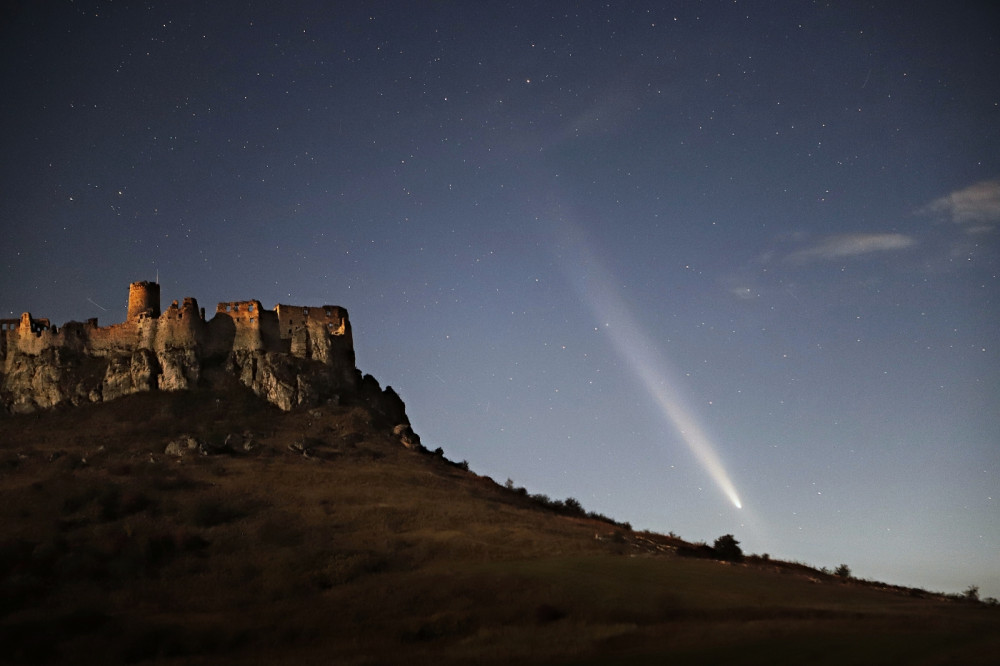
(244, 442)
(183, 446)
(407, 437)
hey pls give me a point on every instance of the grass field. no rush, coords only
(317, 538)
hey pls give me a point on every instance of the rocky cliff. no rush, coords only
(292, 356)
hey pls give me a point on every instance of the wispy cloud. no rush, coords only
(744, 293)
(977, 204)
(851, 245)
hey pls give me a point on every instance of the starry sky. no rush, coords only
(661, 257)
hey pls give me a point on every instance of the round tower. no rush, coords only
(143, 298)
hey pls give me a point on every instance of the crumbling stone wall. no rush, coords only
(246, 319)
(180, 327)
(119, 338)
(321, 333)
(31, 335)
(292, 355)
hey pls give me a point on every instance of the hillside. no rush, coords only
(317, 537)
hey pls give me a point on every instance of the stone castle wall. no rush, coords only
(291, 354)
(236, 326)
(307, 328)
(254, 328)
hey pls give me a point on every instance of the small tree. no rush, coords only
(971, 593)
(573, 507)
(843, 571)
(728, 548)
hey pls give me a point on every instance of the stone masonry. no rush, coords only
(290, 355)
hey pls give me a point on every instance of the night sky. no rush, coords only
(661, 257)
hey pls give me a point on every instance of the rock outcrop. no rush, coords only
(292, 356)
(130, 374)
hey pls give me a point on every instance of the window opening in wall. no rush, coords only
(252, 320)
(229, 308)
(250, 307)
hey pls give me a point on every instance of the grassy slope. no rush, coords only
(362, 552)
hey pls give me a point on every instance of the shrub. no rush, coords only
(541, 498)
(843, 571)
(573, 507)
(726, 547)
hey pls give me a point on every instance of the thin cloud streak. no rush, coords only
(978, 203)
(851, 245)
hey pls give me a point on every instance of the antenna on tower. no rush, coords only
(157, 276)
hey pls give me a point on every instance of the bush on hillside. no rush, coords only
(726, 547)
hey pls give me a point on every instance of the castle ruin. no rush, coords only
(290, 355)
(317, 333)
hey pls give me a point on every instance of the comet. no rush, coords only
(646, 362)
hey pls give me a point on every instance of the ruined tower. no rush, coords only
(143, 298)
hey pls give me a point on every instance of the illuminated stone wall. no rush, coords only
(318, 333)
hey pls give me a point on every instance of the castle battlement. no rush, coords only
(302, 331)
(173, 345)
